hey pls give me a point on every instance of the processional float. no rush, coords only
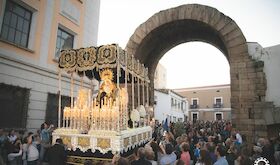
(100, 123)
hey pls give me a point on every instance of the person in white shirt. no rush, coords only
(30, 151)
(12, 136)
(15, 153)
(238, 137)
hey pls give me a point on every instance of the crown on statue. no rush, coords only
(106, 74)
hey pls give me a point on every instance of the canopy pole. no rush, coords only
(138, 91)
(59, 98)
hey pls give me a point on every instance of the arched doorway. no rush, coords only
(194, 22)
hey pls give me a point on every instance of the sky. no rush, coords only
(194, 63)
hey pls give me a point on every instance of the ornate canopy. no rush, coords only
(97, 58)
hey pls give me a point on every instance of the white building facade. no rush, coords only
(170, 105)
(32, 35)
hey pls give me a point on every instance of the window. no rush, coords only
(16, 24)
(64, 40)
(218, 116)
(194, 102)
(14, 105)
(218, 102)
(194, 116)
(52, 107)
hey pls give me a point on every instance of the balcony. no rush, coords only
(194, 106)
(219, 105)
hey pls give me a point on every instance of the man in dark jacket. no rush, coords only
(57, 153)
(141, 160)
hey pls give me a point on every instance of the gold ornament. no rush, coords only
(103, 143)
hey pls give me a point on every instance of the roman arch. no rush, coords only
(194, 22)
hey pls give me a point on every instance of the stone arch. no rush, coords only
(195, 22)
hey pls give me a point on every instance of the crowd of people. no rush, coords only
(201, 143)
(19, 148)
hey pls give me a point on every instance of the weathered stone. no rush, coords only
(248, 82)
(252, 75)
(233, 34)
(161, 18)
(188, 11)
(235, 41)
(215, 17)
(228, 28)
(260, 121)
(181, 12)
(261, 133)
(223, 22)
(238, 49)
(208, 12)
(137, 37)
(197, 12)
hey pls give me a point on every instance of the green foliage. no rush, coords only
(179, 129)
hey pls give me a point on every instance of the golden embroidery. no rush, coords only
(103, 143)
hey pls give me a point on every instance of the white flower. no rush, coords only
(135, 116)
(141, 110)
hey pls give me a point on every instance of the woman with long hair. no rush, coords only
(204, 158)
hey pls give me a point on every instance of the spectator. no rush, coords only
(204, 158)
(238, 137)
(179, 162)
(178, 146)
(168, 138)
(57, 154)
(277, 151)
(244, 159)
(15, 153)
(135, 155)
(169, 157)
(257, 151)
(221, 153)
(150, 155)
(45, 139)
(115, 159)
(141, 160)
(122, 161)
(211, 150)
(268, 151)
(197, 151)
(231, 155)
(157, 150)
(30, 152)
(185, 155)
(12, 136)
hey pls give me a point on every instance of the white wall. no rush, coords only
(163, 107)
(39, 76)
(271, 58)
(175, 110)
(39, 81)
(92, 9)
